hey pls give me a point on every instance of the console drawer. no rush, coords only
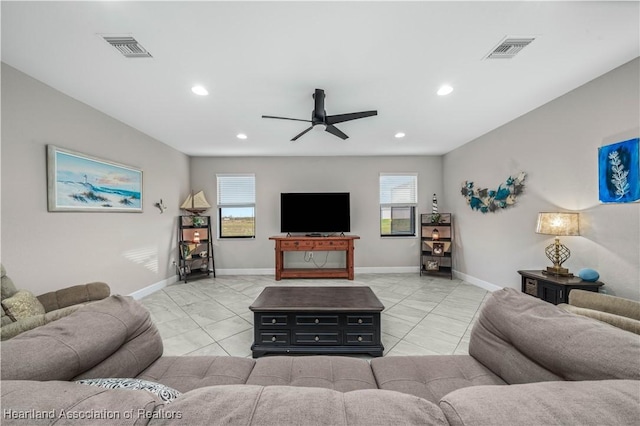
(296, 245)
(316, 320)
(330, 244)
(274, 338)
(321, 338)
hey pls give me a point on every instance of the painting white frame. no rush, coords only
(78, 182)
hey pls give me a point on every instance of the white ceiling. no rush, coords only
(267, 58)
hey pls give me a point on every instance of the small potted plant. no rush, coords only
(435, 218)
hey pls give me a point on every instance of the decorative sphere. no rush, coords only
(588, 274)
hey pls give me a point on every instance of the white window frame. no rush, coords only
(237, 200)
(405, 198)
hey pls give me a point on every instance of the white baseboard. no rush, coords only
(477, 282)
(387, 270)
(252, 271)
(143, 292)
(364, 270)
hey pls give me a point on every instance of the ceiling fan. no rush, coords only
(319, 117)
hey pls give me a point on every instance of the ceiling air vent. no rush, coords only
(128, 46)
(509, 47)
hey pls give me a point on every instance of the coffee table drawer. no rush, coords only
(359, 320)
(360, 338)
(316, 320)
(316, 338)
(274, 338)
(270, 319)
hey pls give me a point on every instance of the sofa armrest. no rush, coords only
(113, 337)
(77, 294)
(13, 329)
(604, 402)
(619, 321)
(605, 303)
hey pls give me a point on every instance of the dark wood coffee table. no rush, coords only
(317, 320)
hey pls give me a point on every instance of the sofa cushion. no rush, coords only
(523, 339)
(285, 405)
(431, 377)
(340, 373)
(26, 402)
(22, 305)
(605, 402)
(165, 393)
(185, 373)
(82, 341)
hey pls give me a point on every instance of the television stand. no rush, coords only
(304, 243)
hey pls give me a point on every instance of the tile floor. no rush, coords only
(422, 315)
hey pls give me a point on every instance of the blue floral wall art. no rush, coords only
(492, 200)
(619, 172)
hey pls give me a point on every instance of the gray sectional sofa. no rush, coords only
(529, 363)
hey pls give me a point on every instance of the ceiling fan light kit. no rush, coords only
(319, 117)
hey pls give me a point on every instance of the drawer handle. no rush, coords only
(273, 321)
(359, 338)
(317, 321)
(359, 320)
(273, 339)
(317, 338)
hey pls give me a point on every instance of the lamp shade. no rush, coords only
(559, 224)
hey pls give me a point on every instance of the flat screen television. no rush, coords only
(314, 212)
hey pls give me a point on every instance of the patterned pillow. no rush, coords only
(165, 393)
(21, 305)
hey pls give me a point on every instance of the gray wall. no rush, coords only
(556, 145)
(357, 175)
(45, 251)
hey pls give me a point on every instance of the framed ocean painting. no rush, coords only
(619, 172)
(80, 183)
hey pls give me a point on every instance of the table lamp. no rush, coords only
(558, 224)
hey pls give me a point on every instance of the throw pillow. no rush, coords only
(21, 305)
(165, 393)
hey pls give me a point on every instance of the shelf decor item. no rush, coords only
(80, 183)
(619, 172)
(492, 200)
(196, 203)
(558, 224)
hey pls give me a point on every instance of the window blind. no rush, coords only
(236, 190)
(398, 188)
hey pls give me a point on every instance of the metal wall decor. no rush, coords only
(492, 200)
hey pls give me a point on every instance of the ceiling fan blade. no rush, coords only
(340, 118)
(300, 134)
(335, 131)
(318, 110)
(286, 118)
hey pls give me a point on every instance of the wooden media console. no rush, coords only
(304, 243)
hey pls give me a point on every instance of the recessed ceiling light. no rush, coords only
(241, 136)
(399, 135)
(199, 90)
(445, 90)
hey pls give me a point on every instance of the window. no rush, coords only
(398, 201)
(236, 206)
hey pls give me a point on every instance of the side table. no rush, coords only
(552, 288)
